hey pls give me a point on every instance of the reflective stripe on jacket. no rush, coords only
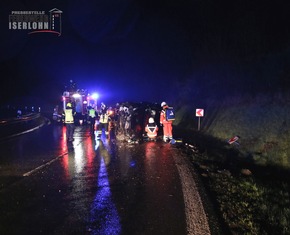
(104, 118)
(92, 113)
(151, 130)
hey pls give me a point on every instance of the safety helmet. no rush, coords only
(163, 104)
(151, 120)
(68, 105)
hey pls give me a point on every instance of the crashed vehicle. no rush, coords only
(137, 116)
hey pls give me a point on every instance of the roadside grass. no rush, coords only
(251, 206)
(249, 181)
(251, 198)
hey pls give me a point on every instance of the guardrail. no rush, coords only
(15, 126)
(23, 118)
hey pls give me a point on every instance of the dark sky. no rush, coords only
(140, 50)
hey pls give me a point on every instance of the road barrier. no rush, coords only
(10, 127)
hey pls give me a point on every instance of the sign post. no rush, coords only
(199, 113)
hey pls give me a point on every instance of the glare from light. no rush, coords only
(79, 158)
(95, 95)
(76, 95)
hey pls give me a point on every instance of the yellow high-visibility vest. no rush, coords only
(68, 116)
(92, 113)
(104, 118)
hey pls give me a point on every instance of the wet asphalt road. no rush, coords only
(92, 186)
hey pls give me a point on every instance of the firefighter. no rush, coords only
(103, 123)
(167, 124)
(111, 114)
(103, 107)
(92, 118)
(69, 114)
(151, 129)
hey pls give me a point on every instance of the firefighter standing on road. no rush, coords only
(69, 121)
(92, 113)
(167, 124)
(103, 123)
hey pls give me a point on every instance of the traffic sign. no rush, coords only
(234, 140)
(199, 112)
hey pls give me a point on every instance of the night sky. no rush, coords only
(148, 50)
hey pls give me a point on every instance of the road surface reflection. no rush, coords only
(85, 168)
(103, 207)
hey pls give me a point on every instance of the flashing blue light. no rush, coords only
(95, 95)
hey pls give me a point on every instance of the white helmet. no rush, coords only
(151, 120)
(163, 104)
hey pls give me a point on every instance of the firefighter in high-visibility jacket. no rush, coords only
(92, 114)
(167, 124)
(151, 129)
(103, 123)
(69, 114)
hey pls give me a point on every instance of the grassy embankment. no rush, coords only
(249, 180)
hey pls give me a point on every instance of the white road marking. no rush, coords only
(44, 165)
(47, 164)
